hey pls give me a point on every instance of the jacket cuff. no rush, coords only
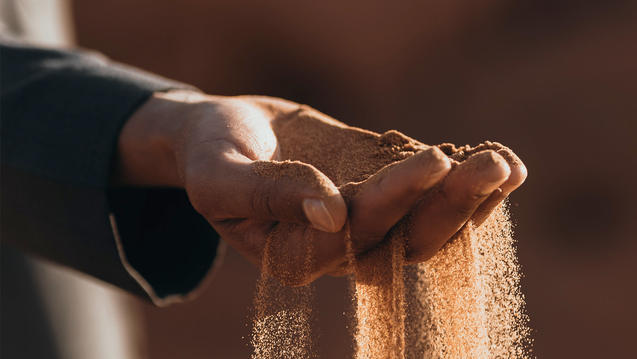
(62, 114)
(164, 244)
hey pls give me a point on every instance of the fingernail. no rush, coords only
(318, 215)
(489, 187)
(495, 172)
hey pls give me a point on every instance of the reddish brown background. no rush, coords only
(554, 79)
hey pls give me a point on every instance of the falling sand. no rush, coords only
(283, 314)
(465, 302)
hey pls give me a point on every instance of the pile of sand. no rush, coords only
(465, 302)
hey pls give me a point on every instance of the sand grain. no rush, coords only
(465, 302)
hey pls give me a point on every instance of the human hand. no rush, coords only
(227, 152)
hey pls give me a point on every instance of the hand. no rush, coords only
(221, 150)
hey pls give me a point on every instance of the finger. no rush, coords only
(387, 196)
(288, 191)
(515, 180)
(439, 216)
(382, 200)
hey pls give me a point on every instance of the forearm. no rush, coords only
(147, 144)
(62, 112)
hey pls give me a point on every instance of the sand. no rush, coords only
(464, 302)
(283, 314)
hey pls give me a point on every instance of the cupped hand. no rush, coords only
(257, 170)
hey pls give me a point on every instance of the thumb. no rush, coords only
(288, 191)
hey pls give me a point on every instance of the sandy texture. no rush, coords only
(282, 326)
(464, 302)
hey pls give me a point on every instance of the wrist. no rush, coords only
(147, 144)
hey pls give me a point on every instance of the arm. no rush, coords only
(255, 167)
(62, 112)
(260, 168)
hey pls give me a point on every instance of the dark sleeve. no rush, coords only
(61, 112)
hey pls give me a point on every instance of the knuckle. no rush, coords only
(465, 203)
(263, 197)
(465, 210)
(382, 184)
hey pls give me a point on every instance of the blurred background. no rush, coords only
(556, 80)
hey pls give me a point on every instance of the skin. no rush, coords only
(210, 145)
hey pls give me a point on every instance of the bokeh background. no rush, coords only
(556, 80)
